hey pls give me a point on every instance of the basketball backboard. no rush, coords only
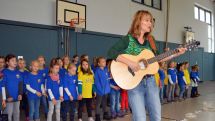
(71, 14)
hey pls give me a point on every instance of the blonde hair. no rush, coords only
(135, 28)
(34, 61)
(71, 65)
(41, 57)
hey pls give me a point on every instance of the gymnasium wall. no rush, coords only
(32, 40)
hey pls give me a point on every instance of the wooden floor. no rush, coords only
(201, 108)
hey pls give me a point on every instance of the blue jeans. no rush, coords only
(145, 96)
(161, 93)
(34, 105)
(45, 104)
(165, 91)
(182, 90)
(114, 100)
(171, 92)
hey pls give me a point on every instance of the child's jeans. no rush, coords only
(165, 89)
(186, 91)
(88, 102)
(51, 110)
(34, 105)
(124, 100)
(161, 93)
(13, 111)
(101, 100)
(182, 90)
(171, 92)
(68, 106)
(44, 103)
(176, 90)
(114, 100)
(193, 91)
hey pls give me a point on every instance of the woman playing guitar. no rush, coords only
(146, 94)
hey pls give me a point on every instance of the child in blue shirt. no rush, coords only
(94, 64)
(194, 75)
(62, 71)
(66, 61)
(24, 73)
(102, 86)
(162, 77)
(75, 60)
(70, 85)
(55, 90)
(35, 87)
(2, 89)
(13, 83)
(181, 80)
(114, 95)
(172, 76)
(43, 70)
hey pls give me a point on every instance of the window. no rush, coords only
(151, 3)
(208, 17)
(205, 16)
(202, 15)
(196, 12)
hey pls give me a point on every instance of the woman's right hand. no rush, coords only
(134, 66)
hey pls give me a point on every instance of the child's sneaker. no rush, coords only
(106, 116)
(120, 114)
(90, 119)
(126, 111)
(27, 119)
(98, 117)
(113, 115)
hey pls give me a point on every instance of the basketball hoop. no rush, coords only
(77, 23)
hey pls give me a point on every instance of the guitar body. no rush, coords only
(127, 79)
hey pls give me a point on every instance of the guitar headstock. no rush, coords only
(192, 44)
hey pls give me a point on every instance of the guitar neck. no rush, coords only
(162, 56)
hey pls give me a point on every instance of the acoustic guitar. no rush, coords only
(127, 79)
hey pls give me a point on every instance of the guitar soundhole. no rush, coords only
(143, 64)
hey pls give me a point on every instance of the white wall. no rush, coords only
(114, 16)
(32, 11)
(182, 14)
(108, 16)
